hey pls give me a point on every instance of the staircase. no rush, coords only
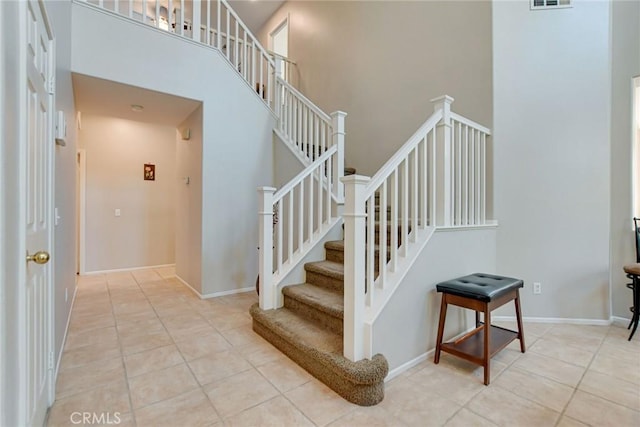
(437, 179)
(309, 330)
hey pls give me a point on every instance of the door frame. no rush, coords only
(82, 205)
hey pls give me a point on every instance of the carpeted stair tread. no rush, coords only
(326, 268)
(335, 245)
(323, 299)
(359, 382)
(338, 245)
(300, 329)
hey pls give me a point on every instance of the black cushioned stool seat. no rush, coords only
(482, 293)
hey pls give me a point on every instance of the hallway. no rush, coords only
(143, 350)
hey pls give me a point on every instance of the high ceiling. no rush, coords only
(255, 13)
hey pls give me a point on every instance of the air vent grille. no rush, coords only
(549, 4)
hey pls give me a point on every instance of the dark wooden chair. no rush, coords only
(633, 273)
(482, 293)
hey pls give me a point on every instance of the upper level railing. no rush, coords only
(438, 178)
(216, 24)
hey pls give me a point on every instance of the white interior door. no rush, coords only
(36, 318)
(280, 45)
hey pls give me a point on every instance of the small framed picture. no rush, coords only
(149, 172)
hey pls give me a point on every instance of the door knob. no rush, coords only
(40, 257)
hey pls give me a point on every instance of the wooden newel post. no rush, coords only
(444, 156)
(337, 123)
(354, 256)
(265, 247)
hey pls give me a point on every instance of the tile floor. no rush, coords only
(143, 350)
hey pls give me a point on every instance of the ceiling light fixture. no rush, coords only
(137, 108)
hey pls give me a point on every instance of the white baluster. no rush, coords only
(218, 27)
(382, 239)
(196, 20)
(265, 255)
(354, 296)
(370, 250)
(394, 221)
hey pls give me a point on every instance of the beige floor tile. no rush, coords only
(611, 388)
(136, 323)
(93, 307)
(110, 400)
(595, 411)
(87, 377)
(155, 386)
(472, 370)
(416, 404)
(569, 422)
(84, 355)
(507, 409)
(448, 383)
(585, 339)
(260, 354)
(152, 360)
(284, 374)
(551, 368)
(90, 322)
(144, 340)
(276, 412)
(466, 418)
(145, 275)
(131, 307)
(180, 328)
(229, 321)
(560, 351)
(374, 416)
(191, 409)
(95, 336)
(536, 388)
(216, 366)
(234, 394)
(196, 346)
(241, 337)
(166, 272)
(319, 403)
(616, 367)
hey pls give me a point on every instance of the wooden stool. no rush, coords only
(481, 293)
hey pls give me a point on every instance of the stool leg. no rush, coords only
(519, 320)
(487, 334)
(477, 319)
(443, 315)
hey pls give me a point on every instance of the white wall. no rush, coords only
(237, 158)
(551, 154)
(408, 326)
(65, 175)
(625, 56)
(189, 203)
(144, 233)
(382, 62)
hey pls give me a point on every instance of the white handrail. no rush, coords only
(302, 175)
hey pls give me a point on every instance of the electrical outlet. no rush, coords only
(537, 288)
(66, 294)
(117, 212)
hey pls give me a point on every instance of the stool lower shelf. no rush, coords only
(471, 346)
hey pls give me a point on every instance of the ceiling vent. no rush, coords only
(550, 4)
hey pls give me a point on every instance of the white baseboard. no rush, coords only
(123, 270)
(214, 294)
(408, 365)
(564, 320)
(620, 321)
(413, 362)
